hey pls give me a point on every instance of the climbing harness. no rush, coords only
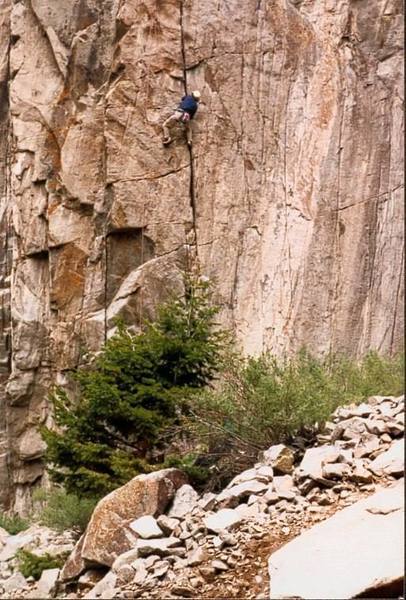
(185, 118)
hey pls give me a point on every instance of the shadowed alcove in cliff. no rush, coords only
(126, 250)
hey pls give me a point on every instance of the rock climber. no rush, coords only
(183, 114)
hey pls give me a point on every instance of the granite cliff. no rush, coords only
(291, 196)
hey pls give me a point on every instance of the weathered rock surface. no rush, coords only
(297, 181)
(360, 548)
(108, 534)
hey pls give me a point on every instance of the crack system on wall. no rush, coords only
(5, 276)
(192, 194)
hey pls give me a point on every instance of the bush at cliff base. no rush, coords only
(32, 565)
(131, 397)
(61, 511)
(265, 400)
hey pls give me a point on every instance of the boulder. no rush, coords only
(47, 582)
(280, 458)
(367, 445)
(15, 542)
(314, 459)
(108, 534)
(125, 559)
(146, 527)
(262, 473)
(184, 502)
(161, 546)
(391, 462)
(197, 556)
(282, 483)
(360, 474)
(105, 588)
(226, 518)
(353, 428)
(321, 563)
(336, 471)
(90, 578)
(231, 495)
(75, 565)
(167, 524)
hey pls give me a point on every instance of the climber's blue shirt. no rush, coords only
(189, 105)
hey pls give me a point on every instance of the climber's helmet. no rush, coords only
(196, 95)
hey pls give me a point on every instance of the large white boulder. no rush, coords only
(359, 549)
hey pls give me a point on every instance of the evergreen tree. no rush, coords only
(132, 393)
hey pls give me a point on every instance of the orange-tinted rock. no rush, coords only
(75, 565)
(108, 534)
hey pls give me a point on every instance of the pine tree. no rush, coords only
(133, 393)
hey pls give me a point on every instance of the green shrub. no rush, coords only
(62, 511)
(132, 396)
(198, 475)
(13, 524)
(32, 565)
(263, 401)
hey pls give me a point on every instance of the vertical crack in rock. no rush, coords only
(5, 277)
(393, 345)
(190, 149)
(336, 243)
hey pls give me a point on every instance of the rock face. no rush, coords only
(358, 550)
(290, 197)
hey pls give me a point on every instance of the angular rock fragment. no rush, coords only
(280, 458)
(75, 565)
(105, 588)
(231, 496)
(47, 582)
(146, 527)
(391, 462)
(90, 578)
(184, 501)
(196, 557)
(360, 474)
(282, 483)
(167, 524)
(127, 558)
(314, 459)
(336, 471)
(219, 565)
(159, 546)
(226, 518)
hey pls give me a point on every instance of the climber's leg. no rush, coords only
(176, 116)
(188, 133)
